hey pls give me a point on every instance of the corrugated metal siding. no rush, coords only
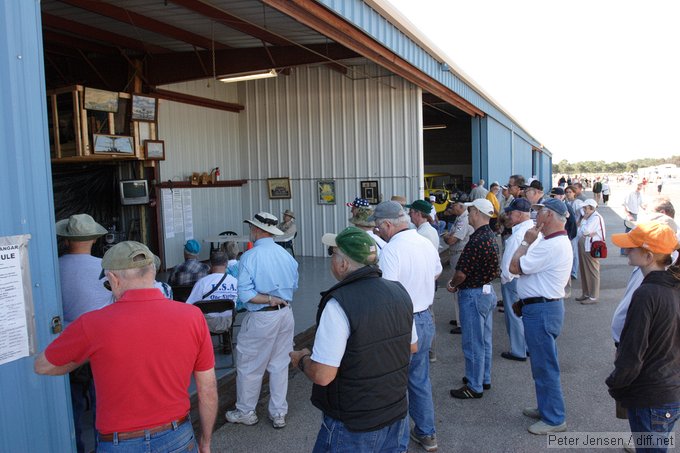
(522, 157)
(373, 24)
(317, 124)
(35, 411)
(499, 151)
(546, 170)
(198, 139)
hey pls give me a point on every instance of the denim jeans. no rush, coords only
(80, 393)
(513, 324)
(173, 440)
(660, 419)
(574, 262)
(420, 405)
(542, 326)
(334, 437)
(624, 252)
(476, 322)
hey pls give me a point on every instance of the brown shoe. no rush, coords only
(579, 299)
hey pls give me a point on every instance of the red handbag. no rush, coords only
(598, 249)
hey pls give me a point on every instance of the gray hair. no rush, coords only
(402, 220)
(135, 273)
(232, 250)
(353, 265)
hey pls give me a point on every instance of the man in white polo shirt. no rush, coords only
(544, 270)
(411, 260)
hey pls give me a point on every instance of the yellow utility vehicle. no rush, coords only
(441, 185)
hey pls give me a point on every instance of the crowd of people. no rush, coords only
(375, 334)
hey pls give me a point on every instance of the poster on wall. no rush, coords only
(326, 191)
(16, 300)
(369, 191)
(168, 215)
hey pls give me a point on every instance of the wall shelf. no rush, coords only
(188, 185)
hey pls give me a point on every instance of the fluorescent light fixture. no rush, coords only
(249, 76)
(432, 127)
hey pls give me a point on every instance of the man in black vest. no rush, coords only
(362, 348)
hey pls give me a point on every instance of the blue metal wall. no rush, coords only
(521, 164)
(546, 170)
(34, 413)
(499, 152)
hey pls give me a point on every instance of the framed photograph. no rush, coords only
(369, 191)
(154, 149)
(113, 144)
(325, 191)
(101, 100)
(278, 188)
(144, 108)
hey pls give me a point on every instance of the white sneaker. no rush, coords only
(278, 420)
(531, 412)
(245, 418)
(544, 428)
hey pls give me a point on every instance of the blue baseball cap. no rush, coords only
(192, 247)
(554, 205)
(519, 204)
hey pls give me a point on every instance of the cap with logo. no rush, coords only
(355, 243)
(553, 204)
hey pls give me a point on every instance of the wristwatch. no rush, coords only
(525, 243)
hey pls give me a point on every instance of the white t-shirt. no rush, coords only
(410, 259)
(227, 290)
(380, 242)
(511, 246)
(332, 334)
(633, 202)
(546, 269)
(428, 232)
(592, 229)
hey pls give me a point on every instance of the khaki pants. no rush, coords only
(589, 268)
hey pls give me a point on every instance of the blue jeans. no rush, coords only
(513, 324)
(80, 394)
(660, 419)
(624, 252)
(476, 322)
(542, 326)
(175, 440)
(574, 261)
(420, 405)
(334, 437)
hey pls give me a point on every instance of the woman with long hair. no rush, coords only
(590, 230)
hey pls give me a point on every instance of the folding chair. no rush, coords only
(226, 338)
(181, 293)
(213, 247)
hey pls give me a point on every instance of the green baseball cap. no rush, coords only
(127, 255)
(421, 206)
(355, 243)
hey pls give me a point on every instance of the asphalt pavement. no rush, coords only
(495, 422)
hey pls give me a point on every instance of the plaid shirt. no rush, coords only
(189, 272)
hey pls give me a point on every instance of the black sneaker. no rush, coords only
(453, 322)
(456, 330)
(465, 393)
(484, 386)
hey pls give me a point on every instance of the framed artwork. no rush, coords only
(144, 108)
(325, 189)
(101, 100)
(369, 191)
(116, 144)
(154, 149)
(279, 188)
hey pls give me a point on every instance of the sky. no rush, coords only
(588, 79)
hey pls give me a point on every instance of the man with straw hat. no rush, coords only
(130, 344)
(81, 292)
(267, 279)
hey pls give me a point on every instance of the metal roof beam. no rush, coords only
(77, 43)
(232, 21)
(87, 32)
(317, 17)
(144, 22)
(182, 66)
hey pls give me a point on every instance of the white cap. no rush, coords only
(483, 205)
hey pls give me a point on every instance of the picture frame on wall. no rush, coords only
(101, 100)
(154, 149)
(279, 188)
(325, 189)
(144, 108)
(113, 144)
(369, 191)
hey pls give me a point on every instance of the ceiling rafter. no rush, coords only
(76, 43)
(144, 22)
(232, 21)
(88, 33)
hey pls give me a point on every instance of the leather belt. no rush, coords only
(142, 432)
(272, 308)
(536, 300)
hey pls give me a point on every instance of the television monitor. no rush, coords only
(134, 191)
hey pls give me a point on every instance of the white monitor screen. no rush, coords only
(134, 192)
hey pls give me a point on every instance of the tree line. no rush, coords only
(600, 166)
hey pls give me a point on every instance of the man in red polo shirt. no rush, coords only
(143, 350)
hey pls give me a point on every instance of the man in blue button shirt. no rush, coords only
(267, 279)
